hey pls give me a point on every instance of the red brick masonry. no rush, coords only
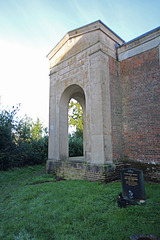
(140, 76)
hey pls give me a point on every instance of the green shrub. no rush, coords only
(22, 142)
(76, 144)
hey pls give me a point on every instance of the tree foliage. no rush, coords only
(76, 144)
(75, 115)
(22, 142)
(76, 120)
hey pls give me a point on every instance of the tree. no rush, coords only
(22, 141)
(75, 145)
(32, 141)
(75, 115)
(37, 130)
(76, 119)
(23, 129)
(8, 147)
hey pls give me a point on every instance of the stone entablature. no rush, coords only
(95, 36)
(139, 45)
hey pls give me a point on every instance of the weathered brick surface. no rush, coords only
(116, 108)
(151, 172)
(104, 173)
(86, 171)
(140, 77)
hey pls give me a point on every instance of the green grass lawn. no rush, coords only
(36, 207)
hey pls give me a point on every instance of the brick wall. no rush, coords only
(85, 171)
(140, 76)
(116, 108)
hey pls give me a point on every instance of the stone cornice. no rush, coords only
(140, 44)
(98, 25)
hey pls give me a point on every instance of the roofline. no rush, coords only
(112, 31)
(71, 34)
(141, 36)
(65, 36)
(102, 24)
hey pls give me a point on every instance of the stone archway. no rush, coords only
(76, 92)
(93, 65)
(80, 69)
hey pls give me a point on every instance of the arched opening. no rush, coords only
(76, 92)
(75, 128)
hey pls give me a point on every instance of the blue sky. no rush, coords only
(29, 29)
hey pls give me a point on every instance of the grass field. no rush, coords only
(34, 206)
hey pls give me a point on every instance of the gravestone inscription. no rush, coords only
(133, 190)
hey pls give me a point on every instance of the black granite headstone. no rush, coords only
(132, 184)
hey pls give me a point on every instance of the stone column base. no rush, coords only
(86, 171)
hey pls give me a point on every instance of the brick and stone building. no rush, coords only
(117, 84)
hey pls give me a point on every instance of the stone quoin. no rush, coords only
(118, 87)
